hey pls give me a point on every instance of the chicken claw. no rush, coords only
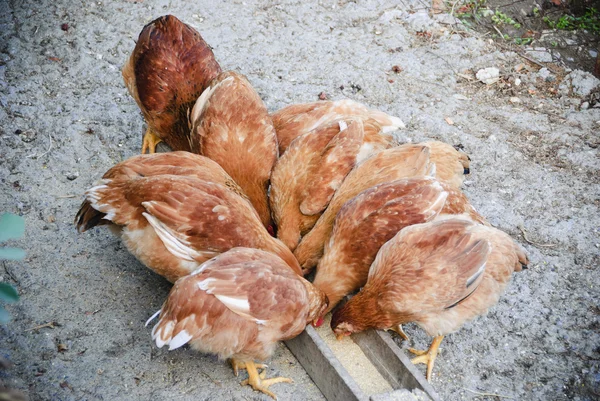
(401, 333)
(259, 383)
(236, 364)
(150, 141)
(427, 357)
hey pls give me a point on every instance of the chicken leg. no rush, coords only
(237, 364)
(427, 357)
(150, 141)
(258, 382)
(401, 333)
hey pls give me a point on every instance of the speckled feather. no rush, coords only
(169, 68)
(298, 119)
(231, 125)
(238, 305)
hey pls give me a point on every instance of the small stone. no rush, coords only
(488, 75)
(517, 81)
(322, 96)
(585, 105)
(64, 27)
(397, 69)
(515, 100)
(27, 135)
(72, 176)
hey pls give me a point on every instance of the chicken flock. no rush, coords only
(248, 203)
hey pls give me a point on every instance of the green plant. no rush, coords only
(589, 21)
(500, 18)
(11, 227)
(523, 41)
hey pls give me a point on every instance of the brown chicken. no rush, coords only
(173, 217)
(298, 119)
(306, 177)
(231, 125)
(169, 68)
(439, 275)
(391, 164)
(373, 217)
(239, 305)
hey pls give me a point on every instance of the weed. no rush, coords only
(589, 21)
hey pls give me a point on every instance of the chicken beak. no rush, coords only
(318, 322)
(339, 336)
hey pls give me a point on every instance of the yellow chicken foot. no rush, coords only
(401, 333)
(427, 357)
(150, 141)
(259, 383)
(236, 364)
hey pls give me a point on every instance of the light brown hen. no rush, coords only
(298, 119)
(174, 218)
(239, 305)
(373, 217)
(231, 125)
(438, 274)
(169, 68)
(391, 164)
(305, 178)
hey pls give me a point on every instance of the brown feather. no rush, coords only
(298, 119)
(231, 126)
(169, 68)
(391, 164)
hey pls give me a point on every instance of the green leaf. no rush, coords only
(12, 253)
(11, 227)
(8, 293)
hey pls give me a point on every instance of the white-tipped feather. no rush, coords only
(152, 317)
(174, 245)
(182, 338)
(396, 123)
(202, 101)
(343, 125)
(157, 335)
(432, 170)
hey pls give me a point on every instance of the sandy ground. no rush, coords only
(66, 118)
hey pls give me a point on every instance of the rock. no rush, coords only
(585, 105)
(540, 54)
(581, 83)
(517, 81)
(593, 53)
(72, 176)
(420, 21)
(515, 100)
(488, 75)
(27, 135)
(546, 75)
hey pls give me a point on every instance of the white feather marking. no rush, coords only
(236, 305)
(202, 101)
(432, 170)
(179, 340)
(174, 245)
(396, 123)
(157, 336)
(152, 317)
(203, 285)
(364, 152)
(477, 273)
(343, 125)
(261, 322)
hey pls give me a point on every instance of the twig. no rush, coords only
(498, 30)
(65, 196)
(50, 325)
(46, 152)
(533, 242)
(488, 394)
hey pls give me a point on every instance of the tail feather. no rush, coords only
(87, 217)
